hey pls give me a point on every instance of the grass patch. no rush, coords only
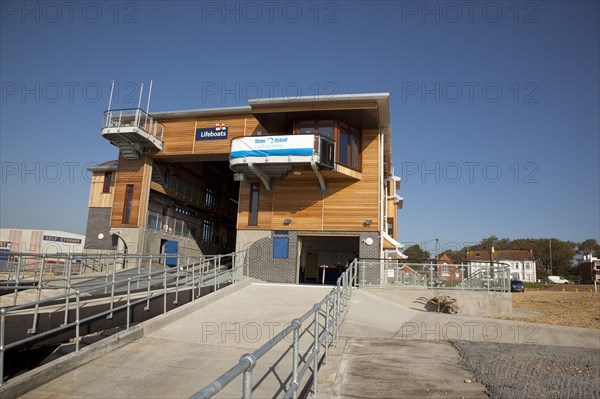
(536, 285)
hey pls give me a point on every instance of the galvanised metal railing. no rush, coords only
(134, 117)
(396, 273)
(150, 279)
(204, 234)
(326, 317)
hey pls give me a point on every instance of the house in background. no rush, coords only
(590, 270)
(522, 262)
(447, 271)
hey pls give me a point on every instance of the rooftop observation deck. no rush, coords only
(132, 130)
(267, 157)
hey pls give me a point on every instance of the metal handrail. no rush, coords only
(338, 298)
(188, 272)
(134, 117)
(430, 275)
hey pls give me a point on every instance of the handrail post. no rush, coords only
(295, 356)
(128, 301)
(2, 325)
(67, 273)
(112, 289)
(17, 279)
(316, 351)
(194, 283)
(177, 280)
(33, 328)
(165, 291)
(247, 378)
(77, 292)
(326, 331)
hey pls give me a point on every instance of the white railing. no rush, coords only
(396, 273)
(134, 117)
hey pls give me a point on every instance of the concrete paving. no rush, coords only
(180, 358)
(389, 348)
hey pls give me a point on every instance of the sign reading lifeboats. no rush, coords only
(66, 240)
(219, 132)
(264, 146)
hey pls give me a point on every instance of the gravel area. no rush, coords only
(532, 371)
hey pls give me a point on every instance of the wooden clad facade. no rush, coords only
(99, 198)
(187, 190)
(136, 174)
(180, 135)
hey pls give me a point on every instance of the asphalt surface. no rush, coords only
(532, 371)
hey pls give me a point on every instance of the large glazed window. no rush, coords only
(349, 146)
(254, 191)
(347, 138)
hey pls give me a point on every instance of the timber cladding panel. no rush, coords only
(343, 207)
(99, 199)
(137, 173)
(180, 135)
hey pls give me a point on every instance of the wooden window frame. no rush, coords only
(107, 179)
(129, 190)
(253, 216)
(337, 122)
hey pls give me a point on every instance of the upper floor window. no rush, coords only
(107, 182)
(348, 146)
(253, 215)
(346, 137)
(128, 204)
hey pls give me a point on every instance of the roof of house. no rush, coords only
(104, 166)
(503, 254)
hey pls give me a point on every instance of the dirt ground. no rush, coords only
(575, 307)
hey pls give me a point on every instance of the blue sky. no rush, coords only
(494, 104)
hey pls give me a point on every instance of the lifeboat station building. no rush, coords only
(301, 184)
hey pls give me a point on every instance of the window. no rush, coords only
(527, 265)
(254, 191)
(349, 146)
(445, 270)
(390, 227)
(128, 202)
(184, 211)
(209, 198)
(207, 230)
(346, 136)
(107, 182)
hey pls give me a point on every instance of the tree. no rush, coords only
(588, 246)
(416, 254)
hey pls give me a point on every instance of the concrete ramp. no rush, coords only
(183, 356)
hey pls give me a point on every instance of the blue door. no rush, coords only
(171, 249)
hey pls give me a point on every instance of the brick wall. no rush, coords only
(264, 267)
(99, 223)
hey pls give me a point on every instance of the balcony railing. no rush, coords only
(207, 199)
(134, 117)
(284, 149)
(204, 234)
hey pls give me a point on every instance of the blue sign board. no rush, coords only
(212, 133)
(66, 240)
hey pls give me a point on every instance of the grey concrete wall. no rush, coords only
(470, 303)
